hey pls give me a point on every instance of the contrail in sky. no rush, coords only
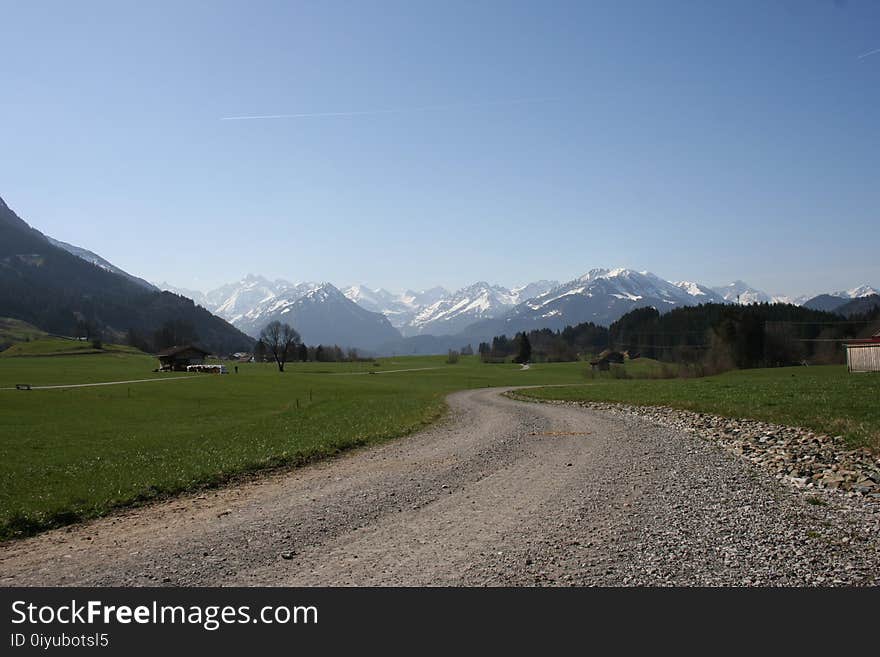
(868, 54)
(399, 110)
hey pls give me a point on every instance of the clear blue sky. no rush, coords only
(699, 140)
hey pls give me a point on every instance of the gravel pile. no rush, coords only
(802, 458)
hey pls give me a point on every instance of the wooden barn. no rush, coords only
(177, 359)
(863, 355)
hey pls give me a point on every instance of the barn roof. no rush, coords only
(864, 341)
(173, 351)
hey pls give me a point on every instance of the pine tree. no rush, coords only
(524, 355)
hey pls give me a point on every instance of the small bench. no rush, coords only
(22, 386)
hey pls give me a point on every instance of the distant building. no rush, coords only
(606, 358)
(177, 359)
(863, 355)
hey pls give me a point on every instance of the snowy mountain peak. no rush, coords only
(701, 293)
(323, 292)
(694, 289)
(741, 292)
(857, 292)
(616, 272)
(453, 312)
(439, 311)
(594, 274)
(532, 290)
(425, 297)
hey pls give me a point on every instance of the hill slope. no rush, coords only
(859, 306)
(95, 259)
(53, 289)
(826, 302)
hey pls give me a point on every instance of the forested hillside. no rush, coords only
(59, 292)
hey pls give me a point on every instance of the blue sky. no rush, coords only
(698, 140)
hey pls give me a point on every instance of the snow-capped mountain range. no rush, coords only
(319, 311)
(367, 317)
(440, 312)
(856, 292)
(742, 292)
(254, 301)
(400, 309)
(600, 296)
(455, 312)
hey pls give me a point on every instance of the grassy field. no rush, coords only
(49, 346)
(826, 399)
(68, 454)
(90, 367)
(74, 453)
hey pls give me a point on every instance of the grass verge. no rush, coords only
(826, 399)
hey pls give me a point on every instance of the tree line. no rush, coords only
(716, 336)
(726, 336)
(547, 345)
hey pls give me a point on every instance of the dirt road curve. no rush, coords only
(503, 493)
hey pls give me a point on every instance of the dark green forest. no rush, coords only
(717, 336)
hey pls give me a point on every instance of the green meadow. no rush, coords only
(46, 346)
(73, 453)
(824, 398)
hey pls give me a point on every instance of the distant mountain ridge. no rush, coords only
(741, 292)
(859, 305)
(322, 315)
(600, 296)
(440, 312)
(319, 312)
(454, 312)
(400, 309)
(835, 300)
(249, 302)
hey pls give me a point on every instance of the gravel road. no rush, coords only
(502, 493)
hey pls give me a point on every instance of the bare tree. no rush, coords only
(280, 340)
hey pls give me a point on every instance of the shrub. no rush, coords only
(619, 372)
